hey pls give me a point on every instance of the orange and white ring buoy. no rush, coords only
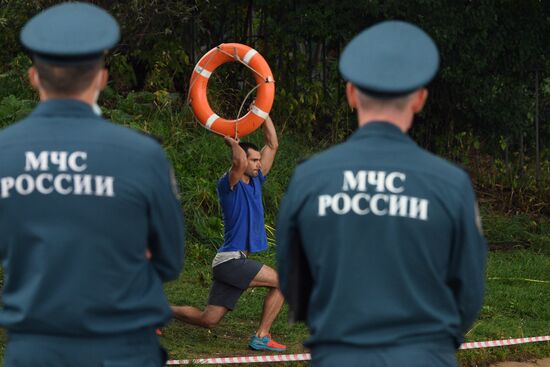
(227, 52)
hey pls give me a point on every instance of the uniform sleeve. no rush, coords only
(166, 226)
(467, 270)
(295, 278)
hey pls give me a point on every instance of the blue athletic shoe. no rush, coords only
(265, 343)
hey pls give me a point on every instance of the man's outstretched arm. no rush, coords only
(271, 145)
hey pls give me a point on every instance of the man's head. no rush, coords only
(253, 159)
(68, 43)
(387, 67)
(67, 80)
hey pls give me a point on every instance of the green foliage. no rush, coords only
(123, 76)
(13, 109)
(516, 232)
(13, 78)
(485, 87)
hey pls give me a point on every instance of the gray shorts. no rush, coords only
(231, 279)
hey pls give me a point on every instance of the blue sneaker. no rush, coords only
(265, 343)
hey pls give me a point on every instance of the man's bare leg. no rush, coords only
(208, 318)
(267, 277)
(272, 306)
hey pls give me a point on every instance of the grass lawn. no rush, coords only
(515, 306)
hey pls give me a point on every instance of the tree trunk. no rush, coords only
(324, 71)
(247, 31)
(309, 46)
(521, 156)
(192, 53)
(537, 137)
(263, 32)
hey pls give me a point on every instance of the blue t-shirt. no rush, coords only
(243, 215)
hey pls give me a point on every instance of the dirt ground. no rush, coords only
(540, 363)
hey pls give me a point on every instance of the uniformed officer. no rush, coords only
(379, 242)
(90, 222)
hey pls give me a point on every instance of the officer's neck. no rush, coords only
(401, 119)
(87, 96)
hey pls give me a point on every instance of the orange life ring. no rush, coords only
(227, 52)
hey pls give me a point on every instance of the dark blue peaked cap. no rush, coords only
(390, 59)
(70, 33)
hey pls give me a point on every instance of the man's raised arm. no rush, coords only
(271, 145)
(238, 161)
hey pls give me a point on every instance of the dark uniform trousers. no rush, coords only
(136, 349)
(416, 355)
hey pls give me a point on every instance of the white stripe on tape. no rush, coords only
(249, 55)
(500, 343)
(202, 71)
(211, 120)
(307, 356)
(255, 110)
(244, 359)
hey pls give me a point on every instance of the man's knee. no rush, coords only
(212, 316)
(210, 323)
(266, 277)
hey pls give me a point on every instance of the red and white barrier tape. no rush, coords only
(502, 343)
(247, 359)
(307, 356)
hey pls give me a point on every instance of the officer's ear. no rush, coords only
(419, 100)
(351, 94)
(33, 78)
(103, 77)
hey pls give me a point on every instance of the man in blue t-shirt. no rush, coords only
(240, 193)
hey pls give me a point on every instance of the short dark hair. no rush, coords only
(371, 102)
(66, 79)
(245, 146)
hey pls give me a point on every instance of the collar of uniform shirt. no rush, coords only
(380, 128)
(64, 107)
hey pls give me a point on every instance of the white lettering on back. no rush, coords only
(379, 204)
(24, 184)
(73, 164)
(66, 183)
(6, 184)
(324, 203)
(40, 183)
(33, 163)
(82, 185)
(104, 186)
(355, 182)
